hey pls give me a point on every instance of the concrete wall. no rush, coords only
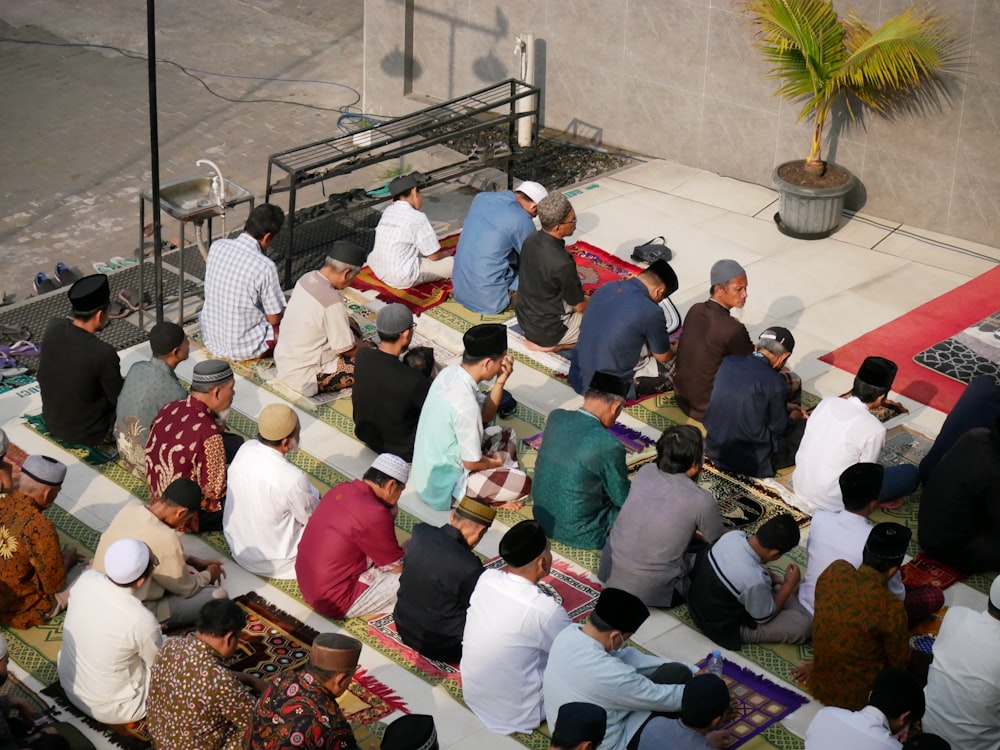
(678, 79)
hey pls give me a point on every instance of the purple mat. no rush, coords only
(633, 440)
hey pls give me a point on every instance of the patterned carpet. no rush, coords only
(969, 353)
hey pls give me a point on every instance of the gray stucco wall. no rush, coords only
(678, 79)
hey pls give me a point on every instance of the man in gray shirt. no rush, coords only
(665, 519)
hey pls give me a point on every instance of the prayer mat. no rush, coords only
(906, 336)
(755, 702)
(418, 298)
(633, 440)
(924, 570)
(597, 267)
(968, 354)
(746, 502)
(13, 382)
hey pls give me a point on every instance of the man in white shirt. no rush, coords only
(268, 499)
(842, 536)
(110, 639)
(843, 431)
(963, 685)
(509, 630)
(406, 251)
(315, 353)
(895, 703)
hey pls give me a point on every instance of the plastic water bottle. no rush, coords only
(715, 663)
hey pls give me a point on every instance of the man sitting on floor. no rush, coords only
(843, 535)
(963, 684)
(843, 431)
(591, 663)
(388, 395)
(149, 386)
(300, 707)
(187, 440)
(171, 593)
(109, 639)
(453, 455)
(895, 704)
(704, 708)
(509, 631)
(978, 406)
(79, 375)
(624, 333)
(579, 726)
(243, 297)
(33, 570)
(194, 701)
(710, 333)
(407, 251)
(735, 599)
(349, 559)
(752, 428)
(666, 519)
(316, 353)
(860, 626)
(268, 499)
(550, 298)
(581, 480)
(959, 517)
(440, 572)
(411, 732)
(487, 256)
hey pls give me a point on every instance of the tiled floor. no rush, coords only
(827, 292)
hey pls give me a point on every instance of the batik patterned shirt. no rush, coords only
(194, 702)
(297, 711)
(31, 563)
(185, 441)
(149, 386)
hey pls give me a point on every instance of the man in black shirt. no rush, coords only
(440, 572)
(388, 395)
(78, 374)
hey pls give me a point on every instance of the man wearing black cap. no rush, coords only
(454, 454)
(149, 386)
(174, 593)
(78, 374)
(592, 663)
(319, 340)
(752, 427)
(411, 732)
(579, 726)
(960, 507)
(509, 630)
(703, 709)
(407, 251)
(860, 626)
(624, 333)
(243, 297)
(388, 395)
(581, 479)
(842, 431)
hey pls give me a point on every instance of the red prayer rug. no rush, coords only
(597, 267)
(417, 298)
(924, 570)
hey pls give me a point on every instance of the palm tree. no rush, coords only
(824, 58)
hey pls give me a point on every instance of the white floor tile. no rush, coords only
(835, 263)
(660, 175)
(725, 192)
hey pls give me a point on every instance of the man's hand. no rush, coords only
(796, 412)
(215, 572)
(717, 738)
(803, 673)
(792, 574)
(506, 368)
(494, 458)
(254, 683)
(25, 711)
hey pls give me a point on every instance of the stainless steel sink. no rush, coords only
(191, 198)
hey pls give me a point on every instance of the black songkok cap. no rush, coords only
(485, 340)
(90, 294)
(878, 372)
(580, 722)
(861, 483)
(165, 337)
(705, 699)
(348, 252)
(184, 492)
(612, 384)
(888, 541)
(666, 274)
(403, 184)
(523, 543)
(621, 610)
(410, 732)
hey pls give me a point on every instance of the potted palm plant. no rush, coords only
(824, 59)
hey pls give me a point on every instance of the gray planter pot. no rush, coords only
(809, 213)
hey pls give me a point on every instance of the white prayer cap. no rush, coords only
(126, 560)
(533, 190)
(392, 466)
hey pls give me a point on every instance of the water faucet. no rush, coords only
(218, 182)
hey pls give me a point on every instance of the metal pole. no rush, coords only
(154, 149)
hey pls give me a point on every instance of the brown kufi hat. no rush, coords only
(476, 510)
(335, 653)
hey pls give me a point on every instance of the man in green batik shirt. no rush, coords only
(581, 480)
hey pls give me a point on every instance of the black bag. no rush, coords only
(652, 251)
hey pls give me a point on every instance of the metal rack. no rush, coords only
(321, 160)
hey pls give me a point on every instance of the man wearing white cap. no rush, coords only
(488, 252)
(268, 498)
(349, 560)
(109, 639)
(963, 685)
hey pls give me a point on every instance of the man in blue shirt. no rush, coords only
(486, 259)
